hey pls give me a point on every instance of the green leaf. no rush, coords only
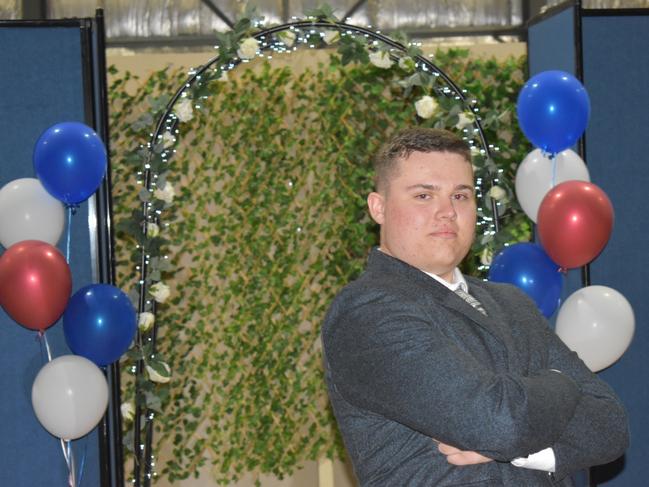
(352, 49)
(324, 12)
(153, 402)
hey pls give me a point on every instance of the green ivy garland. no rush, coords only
(250, 244)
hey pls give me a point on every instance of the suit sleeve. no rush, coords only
(598, 432)
(385, 358)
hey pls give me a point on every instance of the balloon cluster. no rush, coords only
(70, 393)
(574, 221)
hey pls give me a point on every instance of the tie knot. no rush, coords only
(471, 300)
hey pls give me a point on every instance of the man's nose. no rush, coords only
(446, 209)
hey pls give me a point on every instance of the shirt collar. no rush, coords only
(458, 281)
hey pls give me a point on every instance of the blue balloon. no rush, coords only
(553, 109)
(528, 267)
(99, 323)
(70, 161)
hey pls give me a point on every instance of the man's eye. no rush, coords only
(460, 196)
(422, 196)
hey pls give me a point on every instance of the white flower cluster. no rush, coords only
(166, 193)
(330, 36)
(184, 110)
(465, 118)
(160, 292)
(145, 321)
(128, 411)
(426, 106)
(155, 376)
(497, 193)
(287, 37)
(248, 48)
(381, 59)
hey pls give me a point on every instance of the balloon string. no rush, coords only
(72, 209)
(43, 336)
(82, 463)
(66, 455)
(553, 158)
(71, 467)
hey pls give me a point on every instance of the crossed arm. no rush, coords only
(403, 367)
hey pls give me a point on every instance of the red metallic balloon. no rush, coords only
(35, 283)
(575, 222)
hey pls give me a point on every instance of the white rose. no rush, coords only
(168, 139)
(465, 119)
(156, 377)
(407, 64)
(497, 193)
(287, 37)
(330, 36)
(128, 411)
(486, 257)
(152, 230)
(160, 292)
(426, 106)
(145, 321)
(380, 59)
(166, 193)
(475, 150)
(184, 110)
(248, 48)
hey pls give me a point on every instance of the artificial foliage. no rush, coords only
(270, 169)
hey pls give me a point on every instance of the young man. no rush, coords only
(438, 379)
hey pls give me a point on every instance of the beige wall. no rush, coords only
(144, 63)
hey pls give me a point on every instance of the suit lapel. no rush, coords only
(490, 323)
(387, 268)
(497, 319)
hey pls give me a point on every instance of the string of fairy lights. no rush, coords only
(282, 39)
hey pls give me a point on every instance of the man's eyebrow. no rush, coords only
(434, 187)
(462, 187)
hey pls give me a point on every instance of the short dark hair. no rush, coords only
(415, 139)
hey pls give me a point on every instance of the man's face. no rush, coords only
(427, 211)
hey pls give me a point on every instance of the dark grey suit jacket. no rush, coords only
(407, 360)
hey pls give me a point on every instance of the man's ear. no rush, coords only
(376, 205)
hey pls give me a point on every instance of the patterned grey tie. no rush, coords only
(471, 300)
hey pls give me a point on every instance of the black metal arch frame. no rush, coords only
(143, 470)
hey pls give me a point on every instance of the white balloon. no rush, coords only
(534, 177)
(29, 212)
(598, 323)
(69, 396)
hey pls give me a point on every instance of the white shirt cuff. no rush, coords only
(542, 460)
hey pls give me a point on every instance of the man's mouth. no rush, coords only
(444, 233)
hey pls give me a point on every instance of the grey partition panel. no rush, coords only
(42, 83)
(616, 70)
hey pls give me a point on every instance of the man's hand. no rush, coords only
(458, 457)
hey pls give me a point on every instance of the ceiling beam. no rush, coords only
(217, 11)
(354, 9)
(34, 9)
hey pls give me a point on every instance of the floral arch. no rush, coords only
(231, 283)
